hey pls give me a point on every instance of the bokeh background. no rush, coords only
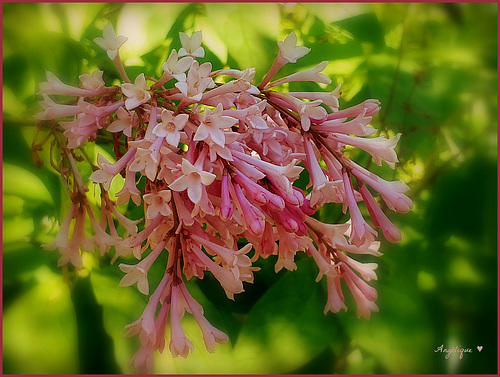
(433, 67)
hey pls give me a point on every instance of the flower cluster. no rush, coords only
(213, 158)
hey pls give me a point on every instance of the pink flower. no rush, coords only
(137, 92)
(211, 335)
(357, 126)
(193, 179)
(54, 110)
(180, 345)
(289, 52)
(335, 301)
(95, 83)
(324, 190)
(331, 99)
(138, 274)
(157, 203)
(196, 83)
(94, 86)
(370, 107)
(365, 305)
(391, 232)
(392, 192)
(129, 190)
(108, 170)
(379, 148)
(144, 163)
(170, 127)
(361, 232)
(311, 74)
(125, 122)
(212, 124)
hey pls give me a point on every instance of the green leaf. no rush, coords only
(286, 328)
(39, 329)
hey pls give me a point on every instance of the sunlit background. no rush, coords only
(433, 67)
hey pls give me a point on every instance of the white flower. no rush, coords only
(110, 42)
(176, 67)
(191, 45)
(289, 49)
(93, 82)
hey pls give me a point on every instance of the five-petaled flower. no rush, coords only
(110, 42)
(191, 45)
(137, 92)
(193, 179)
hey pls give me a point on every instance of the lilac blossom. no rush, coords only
(213, 164)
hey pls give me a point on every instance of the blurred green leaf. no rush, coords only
(286, 327)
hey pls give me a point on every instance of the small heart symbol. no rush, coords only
(479, 348)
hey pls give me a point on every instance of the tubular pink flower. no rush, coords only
(211, 335)
(231, 87)
(143, 162)
(175, 67)
(129, 190)
(259, 194)
(392, 192)
(326, 265)
(379, 148)
(54, 110)
(94, 83)
(335, 301)
(282, 174)
(306, 110)
(101, 239)
(366, 270)
(379, 219)
(361, 232)
(289, 52)
(138, 273)
(226, 209)
(226, 278)
(364, 305)
(369, 107)
(93, 86)
(331, 99)
(197, 81)
(108, 170)
(357, 126)
(311, 74)
(62, 238)
(323, 189)
(254, 218)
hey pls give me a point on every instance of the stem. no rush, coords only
(119, 67)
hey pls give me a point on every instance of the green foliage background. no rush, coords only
(434, 68)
